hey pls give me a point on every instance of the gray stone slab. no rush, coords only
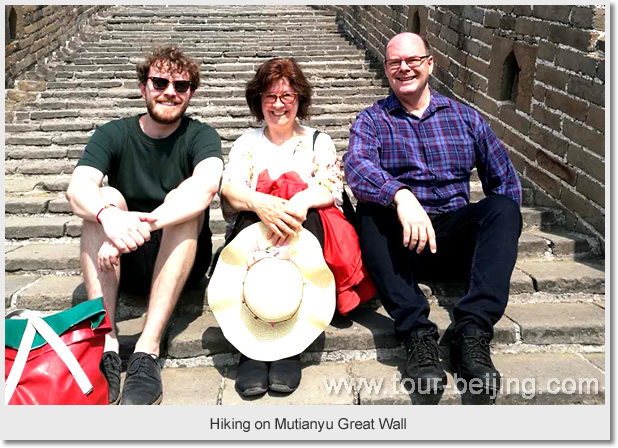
(531, 245)
(453, 290)
(565, 276)
(520, 283)
(53, 293)
(60, 205)
(196, 336)
(559, 323)
(539, 218)
(13, 283)
(598, 359)
(34, 257)
(129, 331)
(35, 204)
(379, 383)
(74, 227)
(36, 226)
(504, 330)
(363, 328)
(312, 389)
(191, 386)
(549, 378)
(16, 184)
(566, 245)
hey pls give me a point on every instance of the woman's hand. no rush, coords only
(274, 213)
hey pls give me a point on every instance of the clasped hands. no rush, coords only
(284, 218)
(125, 231)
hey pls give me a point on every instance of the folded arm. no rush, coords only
(191, 197)
(125, 230)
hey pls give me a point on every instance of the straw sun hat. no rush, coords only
(272, 302)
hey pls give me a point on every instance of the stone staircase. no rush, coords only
(554, 326)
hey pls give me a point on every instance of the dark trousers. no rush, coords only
(313, 223)
(477, 242)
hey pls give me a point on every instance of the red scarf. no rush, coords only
(341, 249)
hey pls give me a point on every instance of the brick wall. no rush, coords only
(536, 73)
(33, 33)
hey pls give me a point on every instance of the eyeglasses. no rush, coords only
(179, 86)
(286, 98)
(412, 62)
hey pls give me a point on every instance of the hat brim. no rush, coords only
(262, 340)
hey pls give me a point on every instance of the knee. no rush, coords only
(505, 209)
(113, 196)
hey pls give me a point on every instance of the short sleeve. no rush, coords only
(327, 167)
(102, 147)
(206, 143)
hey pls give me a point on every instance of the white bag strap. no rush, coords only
(36, 324)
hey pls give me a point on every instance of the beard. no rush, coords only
(165, 116)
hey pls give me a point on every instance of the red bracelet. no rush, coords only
(103, 208)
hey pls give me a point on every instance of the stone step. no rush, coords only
(41, 202)
(63, 91)
(534, 218)
(20, 227)
(538, 378)
(205, 106)
(211, 11)
(194, 331)
(311, 43)
(532, 282)
(532, 244)
(232, 72)
(365, 329)
(110, 56)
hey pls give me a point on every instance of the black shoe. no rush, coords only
(252, 377)
(142, 384)
(110, 366)
(470, 357)
(284, 375)
(423, 366)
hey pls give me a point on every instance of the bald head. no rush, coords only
(407, 38)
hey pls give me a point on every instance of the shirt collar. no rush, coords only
(436, 102)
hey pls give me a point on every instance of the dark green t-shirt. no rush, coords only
(145, 169)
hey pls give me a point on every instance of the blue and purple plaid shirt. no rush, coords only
(432, 156)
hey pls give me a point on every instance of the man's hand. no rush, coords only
(126, 230)
(417, 227)
(272, 211)
(108, 257)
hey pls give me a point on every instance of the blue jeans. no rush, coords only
(477, 243)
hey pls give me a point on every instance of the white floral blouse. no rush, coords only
(253, 153)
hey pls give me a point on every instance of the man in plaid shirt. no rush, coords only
(409, 163)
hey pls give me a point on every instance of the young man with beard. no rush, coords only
(148, 231)
(409, 164)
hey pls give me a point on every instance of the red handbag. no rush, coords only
(56, 358)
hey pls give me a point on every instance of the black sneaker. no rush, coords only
(284, 375)
(423, 366)
(142, 384)
(252, 377)
(110, 366)
(471, 359)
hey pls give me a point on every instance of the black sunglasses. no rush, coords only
(179, 86)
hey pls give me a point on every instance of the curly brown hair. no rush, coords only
(274, 70)
(172, 57)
